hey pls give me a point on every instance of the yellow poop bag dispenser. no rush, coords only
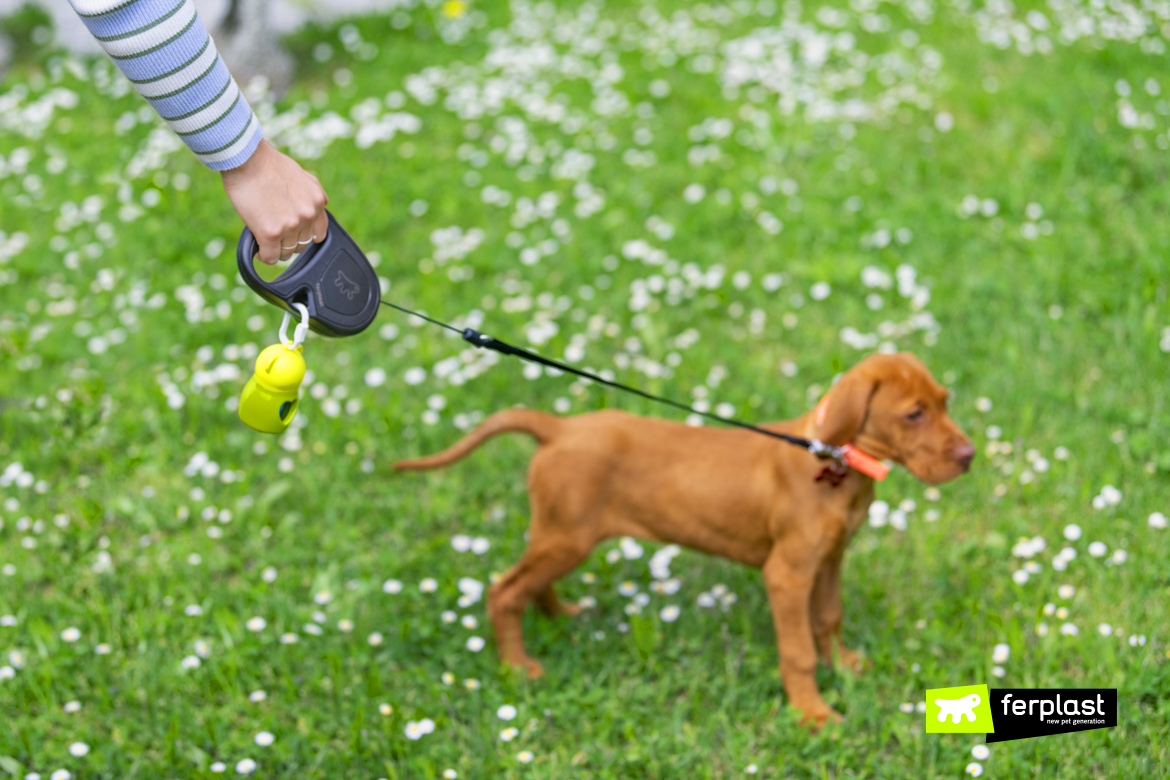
(270, 398)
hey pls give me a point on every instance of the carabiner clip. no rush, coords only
(301, 330)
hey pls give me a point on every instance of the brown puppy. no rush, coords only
(725, 491)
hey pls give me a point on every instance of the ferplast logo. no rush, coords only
(1005, 714)
(1021, 713)
(962, 710)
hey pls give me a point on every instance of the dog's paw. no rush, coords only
(551, 606)
(852, 660)
(817, 716)
(533, 668)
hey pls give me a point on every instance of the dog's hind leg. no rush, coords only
(545, 561)
(563, 492)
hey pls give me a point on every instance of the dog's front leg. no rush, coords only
(827, 613)
(790, 579)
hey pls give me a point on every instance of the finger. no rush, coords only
(288, 243)
(269, 246)
(305, 233)
(320, 226)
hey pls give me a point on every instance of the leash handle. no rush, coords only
(332, 279)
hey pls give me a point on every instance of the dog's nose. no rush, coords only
(964, 454)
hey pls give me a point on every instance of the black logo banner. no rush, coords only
(1020, 713)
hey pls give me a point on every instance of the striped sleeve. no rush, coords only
(166, 52)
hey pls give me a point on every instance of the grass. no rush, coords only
(699, 697)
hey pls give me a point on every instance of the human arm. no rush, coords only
(166, 52)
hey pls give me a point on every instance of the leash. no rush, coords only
(334, 290)
(483, 341)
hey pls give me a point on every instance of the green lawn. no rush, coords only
(660, 193)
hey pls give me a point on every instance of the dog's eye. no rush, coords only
(915, 415)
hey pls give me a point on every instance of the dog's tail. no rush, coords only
(539, 425)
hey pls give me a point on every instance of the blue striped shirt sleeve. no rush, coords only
(166, 52)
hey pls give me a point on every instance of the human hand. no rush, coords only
(282, 203)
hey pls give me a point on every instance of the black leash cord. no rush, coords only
(483, 341)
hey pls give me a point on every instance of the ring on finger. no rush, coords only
(294, 246)
(307, 241)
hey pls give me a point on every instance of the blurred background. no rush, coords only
(728, 204)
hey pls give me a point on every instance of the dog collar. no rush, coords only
(851, 457)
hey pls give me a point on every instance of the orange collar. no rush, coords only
(850, 455)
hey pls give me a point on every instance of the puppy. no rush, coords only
(747, 497)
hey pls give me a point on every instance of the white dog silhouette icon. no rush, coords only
(958, 708)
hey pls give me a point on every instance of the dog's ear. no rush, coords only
(848, 404)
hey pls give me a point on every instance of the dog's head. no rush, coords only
(892, 408)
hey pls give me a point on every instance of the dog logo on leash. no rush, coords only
(962, 710)
(958, 709)
(348, 287)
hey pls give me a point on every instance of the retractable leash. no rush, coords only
(335, 291)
